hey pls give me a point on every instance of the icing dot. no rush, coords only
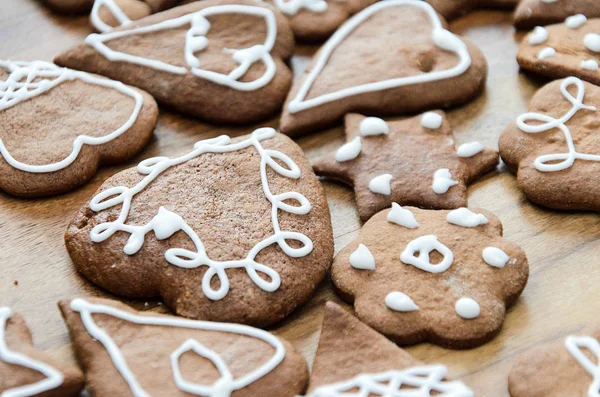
(592, 42)
(362, 258)
(547, 52)
(400, 302)
(575, 21)
(495, 257)
(373, 126)
(469, 149)
(538, 36)
(589, 64)
(431, 120)
(381, 184)
(466, 218)
(467, 308)
(442, 181)
(349, 151)
(402, 217)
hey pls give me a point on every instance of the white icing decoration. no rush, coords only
(546, 52)
(53, 378)
(373, 126)
(592, 42)
(589, 64)
(574, 345)
(166, 223)
(442, 181)
(223, 387)
(400, 302)
(467, 308)
(549, 1)
(469, 149)
(195, 40)
(431, 120)
(362, 258)
(381, 184)
(401, 216)
(349, 151)
(419, 381)
(21, 85)
(547, 162)
(575, 21)
(440, 36)
(425, 245)
(539, 35)
(115, 11)
(495, 257)
(291, 7)
(466, 218)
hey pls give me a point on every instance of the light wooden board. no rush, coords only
(562, 295)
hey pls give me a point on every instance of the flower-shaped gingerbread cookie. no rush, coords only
(567, 367)
(554, 148)
(411, 161)
(531, 13)
(446, 277)
(451, 9)
(568, 49)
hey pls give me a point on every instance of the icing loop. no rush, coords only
(53, 378)
(547, 162)
(425, 245)
(195, 40)
(114, 10)
(574, 345)
(440, 37)
(222, 387)
(22, 84)
(166, 223)
(419, 381)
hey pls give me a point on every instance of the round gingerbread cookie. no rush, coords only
(445, 277)
(234, 230)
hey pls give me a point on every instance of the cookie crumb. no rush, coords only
(15, 283)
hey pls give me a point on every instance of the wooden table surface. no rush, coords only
(562, 295)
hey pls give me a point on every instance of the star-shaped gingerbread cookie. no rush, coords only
(25, 371)
(445, 277)
(451, 9)
(567, 367)
(412, 161)
(554, 148)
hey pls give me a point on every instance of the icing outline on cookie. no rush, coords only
(291, 7)
(441, 37)
(420, 381)
(574, 345)
(223, 387)
(195, 40)
(544, 163)
(13, 91)
(167, 223)
(115, 11)
(53, 377)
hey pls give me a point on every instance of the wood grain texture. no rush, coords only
(562, 295)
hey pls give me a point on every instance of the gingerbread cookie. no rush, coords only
(351, 356)
(451, 9)
(532, 13)
(230, 57)
(554, 149)
(568, 49)
(124, 352)
(70, 6)
(234, 230)
(412, 161)
(446, 277)
(393, 57)
(568, 367)
(57, 126)
(107, 14)
(25, 371)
